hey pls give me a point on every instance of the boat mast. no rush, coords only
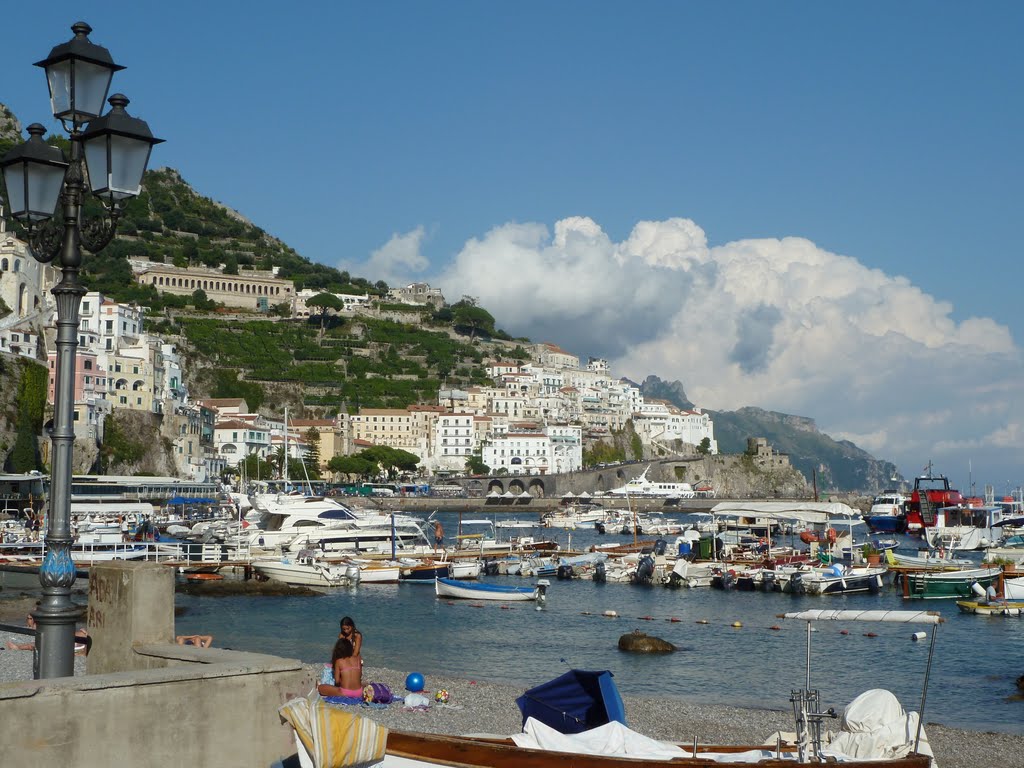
(284, 463)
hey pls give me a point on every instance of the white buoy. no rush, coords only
(610, 614)
(918, 636)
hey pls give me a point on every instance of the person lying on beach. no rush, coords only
(348, 672)
(82, 640)
(200, 641)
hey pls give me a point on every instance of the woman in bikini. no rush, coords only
(348, 672)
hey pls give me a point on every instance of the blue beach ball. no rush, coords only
(414, 682)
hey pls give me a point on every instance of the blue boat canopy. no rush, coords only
(178, 501)
(574, 702)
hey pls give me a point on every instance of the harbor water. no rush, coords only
(755, 664)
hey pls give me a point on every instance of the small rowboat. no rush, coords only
(991, 609)
(481, 591)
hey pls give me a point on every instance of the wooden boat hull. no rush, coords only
(452, 588)
(425, 574)
(465, 752)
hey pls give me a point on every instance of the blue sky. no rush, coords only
(803, 206)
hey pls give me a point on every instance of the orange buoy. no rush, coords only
(844, 631)
(870, 634)
(204, 577)
(775, 627)
(674, 619)
(645, 618)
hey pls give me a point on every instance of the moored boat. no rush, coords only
(985, 608)
(423, 572)
(484, 591)
(946, 584)
(307, 570)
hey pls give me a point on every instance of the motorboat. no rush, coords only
(293, 523)
(966, 528)
(887, 513)
(307, 569)
(642, 486)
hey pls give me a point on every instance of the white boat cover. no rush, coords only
(616, 739)
(899, 617)
(807, 511)
(1013, 589)
(874, 726)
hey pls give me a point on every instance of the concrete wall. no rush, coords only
(146, 700)
(209, 707)
(130, 603)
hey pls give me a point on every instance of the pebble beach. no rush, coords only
(482, 707)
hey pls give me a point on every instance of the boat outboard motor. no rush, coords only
(644, 570)
(542, 592)
(491, 568)
(352, 574)
(565, 572)
(796, 584)
(600, 574)
(768, 580)
(660, 546)
(599, 527)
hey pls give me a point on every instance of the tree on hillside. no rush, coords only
(705, 446)
(468, 316)
(323, 303)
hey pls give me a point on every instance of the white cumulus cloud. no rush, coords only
(396, 262)
(778, 323)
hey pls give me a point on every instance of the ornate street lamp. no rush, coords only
(112, 154)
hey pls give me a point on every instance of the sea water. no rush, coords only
(407, 628)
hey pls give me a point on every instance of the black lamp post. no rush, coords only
(111, 153)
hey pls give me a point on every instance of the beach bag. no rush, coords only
(377, 693)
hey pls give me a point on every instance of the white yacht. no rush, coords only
(293, 523)
(888, 504)
(641, 486)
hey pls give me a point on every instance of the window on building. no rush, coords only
(88, 365)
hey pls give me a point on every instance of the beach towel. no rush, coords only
(329, 737)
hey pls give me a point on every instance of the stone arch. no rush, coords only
(496, 485)
(5, 265)
(516, 486)
(17, 265)
(537, 489)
